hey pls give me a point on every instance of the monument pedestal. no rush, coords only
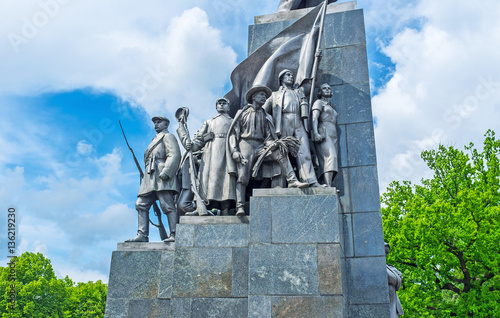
(285, 260)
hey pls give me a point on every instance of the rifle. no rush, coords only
(181, 115)
(156, 209)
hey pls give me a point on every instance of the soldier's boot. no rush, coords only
(224, 208)
(287, 169)
(240, 199)
(139, 238)
(170, 238)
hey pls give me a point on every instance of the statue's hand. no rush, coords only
(237, 156)
(163, 176)
(317, 137)
(189, 145)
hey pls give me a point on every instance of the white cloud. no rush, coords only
(84, 148)
(122, 47)
(445, 88)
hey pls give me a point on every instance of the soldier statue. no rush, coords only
(218, 185)
(161, 159)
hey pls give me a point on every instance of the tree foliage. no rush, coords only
(444, 233)
(40, 294)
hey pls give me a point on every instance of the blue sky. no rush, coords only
(70, 70)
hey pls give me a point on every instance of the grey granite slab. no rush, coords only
(259, 306)
(260, 219)
(149, 308)
(134, 275)
(184, 235)
(345, 28)
(149, 246)
(369, 311)
(202, 272)
(330, 269)
(116, 308)
(239, 283)
(361, 144)
(166, 275)
(369, 238)
(354, 64)
(317, 307)
(181, 307)
(353, 103)
(367, 280)
(219, 308)
(283, 269)
(365, 196)
(311, 219)
(221, 235)
(293, 192)
(197, 220)
(331, 66)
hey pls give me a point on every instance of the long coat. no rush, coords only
(215, 180)
(162, 156)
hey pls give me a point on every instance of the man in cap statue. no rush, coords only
(252, 130)
(289, 109)
(161, 159)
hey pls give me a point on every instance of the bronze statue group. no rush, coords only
(267, 142)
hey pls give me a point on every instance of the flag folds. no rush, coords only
(293, 48)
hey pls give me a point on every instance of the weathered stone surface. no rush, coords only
(219, 308)
(313, 219)
(365, 196)
(369, 238)
(239, 284)
(274, 192)
(330, 269)
(134, 275)
(261, 33)
(354, 64)
(213, 220)
(149, 246)
(342, 139)
(361, 144)
(348, 235)
(283, 269)
(202, 272)
(318, 307)
(352, 102)
(332, 61)
(261, 219)
(116, 308)
(181, 307)
(221, 235)
(184, 235)
(259, 306)
(166, 272)
(345, 28)
(149, 308)
(367, 280)
(369, 311)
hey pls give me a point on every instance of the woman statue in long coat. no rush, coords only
(324, 135)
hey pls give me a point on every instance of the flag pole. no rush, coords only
(317, 56)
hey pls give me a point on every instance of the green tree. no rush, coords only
(444, 233)
(40, 294)
(87, 300)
